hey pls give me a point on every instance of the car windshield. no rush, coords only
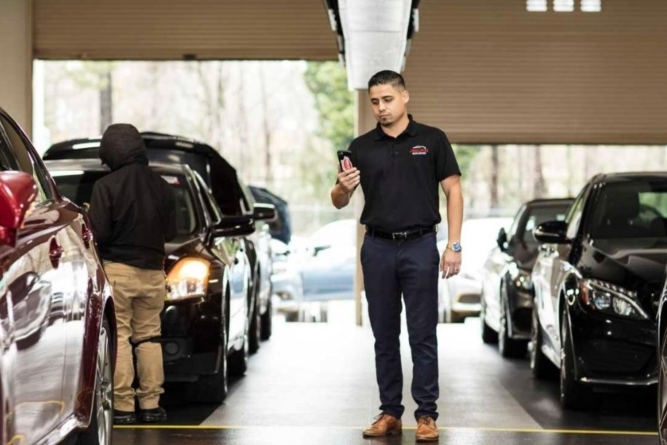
(539, 215)
(340, 233)
(77, 186)
(631, 209)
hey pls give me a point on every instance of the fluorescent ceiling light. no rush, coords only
(83, 145)
(375, 33)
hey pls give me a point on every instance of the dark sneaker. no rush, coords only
(124, 417)
(156, 415)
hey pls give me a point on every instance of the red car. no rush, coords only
(57, 318)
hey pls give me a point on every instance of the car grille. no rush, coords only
(616, 357)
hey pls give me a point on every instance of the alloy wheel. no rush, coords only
(104, 389)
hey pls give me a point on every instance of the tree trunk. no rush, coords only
(267, 128)
(106, 104)
(493, 184)
(539, 186)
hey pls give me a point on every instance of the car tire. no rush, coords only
(255, 325)
(662, 388)
(213, 388)
(540, 365)
(573, 395)
(508, 347)
(100, 429)
(489, 336)
(266, 321)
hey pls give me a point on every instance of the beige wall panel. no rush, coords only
(170, 29)
(16, 60)
(488, 71)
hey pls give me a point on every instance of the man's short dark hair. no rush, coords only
(387, 77)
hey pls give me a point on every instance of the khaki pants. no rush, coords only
(139, 296)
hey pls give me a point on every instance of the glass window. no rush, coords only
(16, 156)
(631, 209)
(573, 217)
(209, 200)
(77, 186)
(539, 215)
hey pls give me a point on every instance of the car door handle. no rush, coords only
(86, 236)
(55, 253)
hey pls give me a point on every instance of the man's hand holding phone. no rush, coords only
(349, 179)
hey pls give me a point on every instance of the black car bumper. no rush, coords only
(191, 339)
(614, 351)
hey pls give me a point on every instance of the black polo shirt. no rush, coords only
(401, 176)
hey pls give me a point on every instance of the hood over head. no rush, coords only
(122, 145)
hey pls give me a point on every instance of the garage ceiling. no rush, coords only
(176, 29)
(489, 71)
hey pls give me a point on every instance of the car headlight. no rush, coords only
(188, 279)
(523, 281)
(608, 297)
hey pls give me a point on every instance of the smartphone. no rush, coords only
(345, 160)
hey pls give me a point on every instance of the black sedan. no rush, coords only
(507, 293)
(205, 322)
(232, 197)
(598, 280)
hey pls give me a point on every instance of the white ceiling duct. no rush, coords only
(373, 35)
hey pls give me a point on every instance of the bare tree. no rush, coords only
(539, 185)
(106, 100)
(267, 127)
(494, 182)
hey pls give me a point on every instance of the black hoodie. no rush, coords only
(132, 208)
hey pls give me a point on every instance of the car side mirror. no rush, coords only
(17, 193)
(236, 225)
(552, 232)
(264, 212)
(502, 239)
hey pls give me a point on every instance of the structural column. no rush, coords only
(16, 56)
(364, 122)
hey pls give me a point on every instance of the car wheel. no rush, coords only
(573, 395)
(213, 388)
(255, 325)
(662, 391)
(238, 361)
(508, 347)
(100, 429)
(489, 336)
(267, 322)
(539, 363)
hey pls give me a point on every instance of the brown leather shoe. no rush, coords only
(426, 430)
(384, 425)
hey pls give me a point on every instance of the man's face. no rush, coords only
(389, 103)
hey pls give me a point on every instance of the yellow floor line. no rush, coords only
(464, 429)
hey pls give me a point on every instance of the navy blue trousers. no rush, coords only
(410, 268)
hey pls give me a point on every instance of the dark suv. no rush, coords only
(598, 280)
(57, 319)
(232, 196)
(205, 322)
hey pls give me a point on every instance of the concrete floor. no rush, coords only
(315, 383)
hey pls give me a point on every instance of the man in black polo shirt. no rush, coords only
(400, 165)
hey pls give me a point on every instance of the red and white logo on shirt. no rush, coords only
(418, 150)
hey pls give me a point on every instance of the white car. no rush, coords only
(286, 280)
(459, 296)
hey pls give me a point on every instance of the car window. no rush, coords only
(515, 224)
(631, 209)
(16, 156)
(539, 215)
(209, 200)
(77, 186)
(573, 218)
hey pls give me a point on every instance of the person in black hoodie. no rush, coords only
(132, 217)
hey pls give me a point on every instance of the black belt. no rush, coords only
(399, 236)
